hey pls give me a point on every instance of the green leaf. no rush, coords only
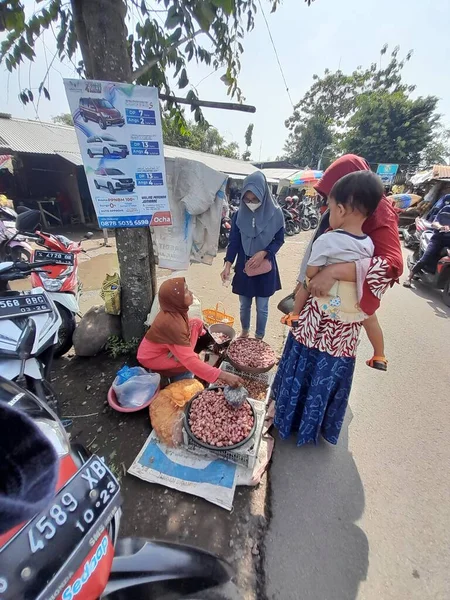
(173, 18)
(183, 80)
(228, 6)
(205, 15)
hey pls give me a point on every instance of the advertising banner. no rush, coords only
(119, 131)
(387, 172)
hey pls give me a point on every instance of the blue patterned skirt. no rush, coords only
(311, 390)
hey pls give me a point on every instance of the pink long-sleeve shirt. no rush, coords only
(157, 357)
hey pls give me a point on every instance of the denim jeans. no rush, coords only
(262, 313)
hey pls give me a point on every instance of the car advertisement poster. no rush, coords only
(119, 131)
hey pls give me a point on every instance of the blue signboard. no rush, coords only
(387, 173)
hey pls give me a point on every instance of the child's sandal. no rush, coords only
(377, 362)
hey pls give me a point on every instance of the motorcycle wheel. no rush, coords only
(306, 225)
(446, 293)
(297, 228)
(314, 222)
(20, 254)
(65, 332)
(289, 228)
(223, 241)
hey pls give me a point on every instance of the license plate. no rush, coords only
(36, 562)
(61, 258)
(23, 305)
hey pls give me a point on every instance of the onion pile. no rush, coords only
(252, 353)
(220, 338)
(213, 421)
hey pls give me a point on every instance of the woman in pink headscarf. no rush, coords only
(314, 377)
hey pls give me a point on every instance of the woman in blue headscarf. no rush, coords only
(257, 233)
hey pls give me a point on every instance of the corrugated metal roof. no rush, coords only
(37, 137)
(226, 165)
(75, 159)
(279, 174)
(441, 171)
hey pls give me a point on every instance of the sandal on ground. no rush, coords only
(377, 362)
(407, 284)
(259, 338)
(244, 334)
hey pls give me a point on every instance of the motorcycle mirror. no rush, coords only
(88, 235)
(28, 221)
(26, 340)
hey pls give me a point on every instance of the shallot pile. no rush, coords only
(248, 352)
(256, 389)
(220, 338)
(213, 421)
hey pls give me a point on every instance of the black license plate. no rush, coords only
(60, 258)
(37, 561)
(23, 305)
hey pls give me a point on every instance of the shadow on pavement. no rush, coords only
(433, 297)
(314, 549)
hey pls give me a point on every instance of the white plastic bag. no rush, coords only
(135, 386)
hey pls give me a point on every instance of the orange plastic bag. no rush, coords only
(166, 410)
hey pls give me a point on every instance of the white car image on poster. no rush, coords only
(119, 131)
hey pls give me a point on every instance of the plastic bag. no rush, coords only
(167, 410)
(135, 386)
(235, 396)
(110, 293)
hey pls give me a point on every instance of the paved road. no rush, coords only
(370, 519)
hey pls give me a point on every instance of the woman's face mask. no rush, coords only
(252, 201)
(253, 206)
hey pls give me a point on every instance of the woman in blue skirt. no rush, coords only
(314, 377)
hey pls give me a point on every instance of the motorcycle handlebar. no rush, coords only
(20, 269)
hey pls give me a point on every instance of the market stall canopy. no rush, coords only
(438, 172)
(229, 166)
(305, 176)
(277, 175)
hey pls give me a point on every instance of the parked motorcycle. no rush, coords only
(61, 281)
(437, 277)
(309, 216)
(71, 549)
(289, 225)
(224, 234)
(13, 245)
(29, 324)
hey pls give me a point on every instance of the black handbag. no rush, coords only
(287, 304)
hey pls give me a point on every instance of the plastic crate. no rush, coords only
(246, 455)
(266, 378)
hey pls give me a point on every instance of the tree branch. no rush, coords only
(143, 70)
(209, 104)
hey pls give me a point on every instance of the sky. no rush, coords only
(329, 34)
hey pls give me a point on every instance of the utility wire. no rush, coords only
(276, 53)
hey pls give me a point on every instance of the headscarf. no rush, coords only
(382, 226)
(171, 325)
(260, 227)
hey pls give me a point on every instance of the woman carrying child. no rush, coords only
(314, 378)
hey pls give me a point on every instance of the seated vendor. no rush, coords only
(168, 346)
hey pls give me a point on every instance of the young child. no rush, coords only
(352, 200)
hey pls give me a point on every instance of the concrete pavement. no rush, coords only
(370, 518)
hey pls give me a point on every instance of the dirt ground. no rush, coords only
(150, 510)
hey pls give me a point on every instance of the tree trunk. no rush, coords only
(102, 34)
